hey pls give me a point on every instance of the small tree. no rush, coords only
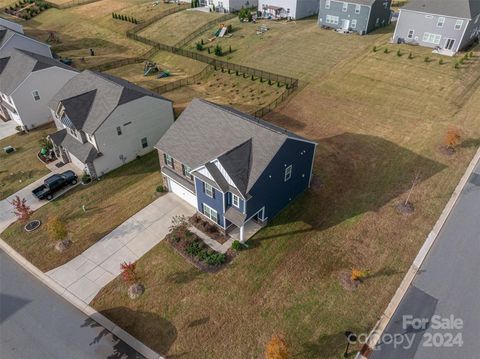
(452, 138)
(56, 229)
(129, 274)
(21, 209)
(218, 50)
(199, 46)
(410, 56)
(277, 348)
(358, 275)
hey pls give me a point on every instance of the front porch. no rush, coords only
(249, 229)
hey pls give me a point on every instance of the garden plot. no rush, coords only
(176, 27)
(225, 89)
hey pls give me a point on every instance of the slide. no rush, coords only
(222, 32)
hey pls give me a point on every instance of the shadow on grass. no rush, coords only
(184, 277)
(154, 331)
(470, 142)
(335, 342)
(360, 173)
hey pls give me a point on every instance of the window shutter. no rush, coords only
(203, 185)
(218, 218)
(213, 193)
(165, 158)
(183, 170)
(173, 164)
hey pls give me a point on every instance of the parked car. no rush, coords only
(54, 184)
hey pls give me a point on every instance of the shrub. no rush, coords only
(56, 229)
(216, 259)
(358, 275)
(199, 46)
(457, 65)
(375, 49)
(399, 53)
(277, 348)
(237, 245)
(452, 138)
(386, 50)
(86, 177)
(410, 56)
(230, 28)
(427, 59)
(129, 274)
(218, 50)
(194, 248)
(245, 14)
(441, 62)
(159, 188)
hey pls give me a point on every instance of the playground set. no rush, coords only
(151, 68)
(222, 31)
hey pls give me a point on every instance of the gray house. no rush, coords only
(445, 25)
(12, 37)
(361, 16)
(287, 9)
(104, 122)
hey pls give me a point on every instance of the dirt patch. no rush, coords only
(447, 151)
(346, 282)
(405, 208)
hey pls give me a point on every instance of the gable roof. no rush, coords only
(16, 65)
(90, 97)
(467, 9)
(244, 145)
(5, 35)
(363, 2)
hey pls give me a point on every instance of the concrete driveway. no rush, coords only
(85, 275)
(7, 129)
(6, 211)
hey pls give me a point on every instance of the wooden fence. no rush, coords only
(170, 86)
(69, 4)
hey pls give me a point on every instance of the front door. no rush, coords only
(345, 24)
(449, 44)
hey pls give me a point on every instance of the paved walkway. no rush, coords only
(212, 243)
(85, 275)
(6, 211)
(7, 129)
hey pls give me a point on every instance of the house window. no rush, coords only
(209, 190)
(327, 4)
(235, 200)
(345, 7)
(432, 38)
(385, 5)
(332, 19)
(410, 34)
(353, 25)
(144, 142)
(440, 22)
(458, 24)
(168, 160)
(119, 130)
(288, 173)
(210, 213)
(186, 171)
(357, 9)
(36, 95)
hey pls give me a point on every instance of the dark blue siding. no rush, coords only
(228, 202)
(215, 203)
(271, 190)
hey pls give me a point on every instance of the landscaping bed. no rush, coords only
(27, 9)
(208, 228)
(191, 247)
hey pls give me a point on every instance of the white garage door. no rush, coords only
(183, 193)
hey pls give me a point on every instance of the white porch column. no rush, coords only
(241, 233)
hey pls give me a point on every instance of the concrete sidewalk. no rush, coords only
(6, 210)
(85, 275)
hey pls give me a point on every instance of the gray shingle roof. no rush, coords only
(21, 64)
(85, 152)
(244, 144)
(467, 9)
(6, 24)
(106, 94)
(5, 35)
(363, 2)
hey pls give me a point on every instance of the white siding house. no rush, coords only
(27, 83)
(104, 122)
(291, 9)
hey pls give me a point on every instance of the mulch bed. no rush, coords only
(208, 228)
(346, 281)
(180, 246)
(447, 151)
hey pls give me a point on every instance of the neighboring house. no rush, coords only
(104, 122)
(232, 167)
(11, 38)
(6, 24)
(28, 82)
(287, 9)
(361, 16)
(449, 26)
(229, 5)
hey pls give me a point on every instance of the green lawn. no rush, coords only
(22, 167)
(176, 27)
(109, 203)
(379, 119)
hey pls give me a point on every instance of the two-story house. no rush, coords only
(287, 9)
(232, 167)
(228, 5)
(104, 122)
(361, 16)
(445, 25)
(12, 37)
(28, 81)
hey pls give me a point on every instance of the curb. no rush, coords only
(382, 323)
(81, 305)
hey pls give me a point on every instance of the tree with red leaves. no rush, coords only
(129, 274)
(21, 209)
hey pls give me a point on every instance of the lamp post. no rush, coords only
(351, 338)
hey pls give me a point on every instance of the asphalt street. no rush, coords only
(439, 317)
(36, 323)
